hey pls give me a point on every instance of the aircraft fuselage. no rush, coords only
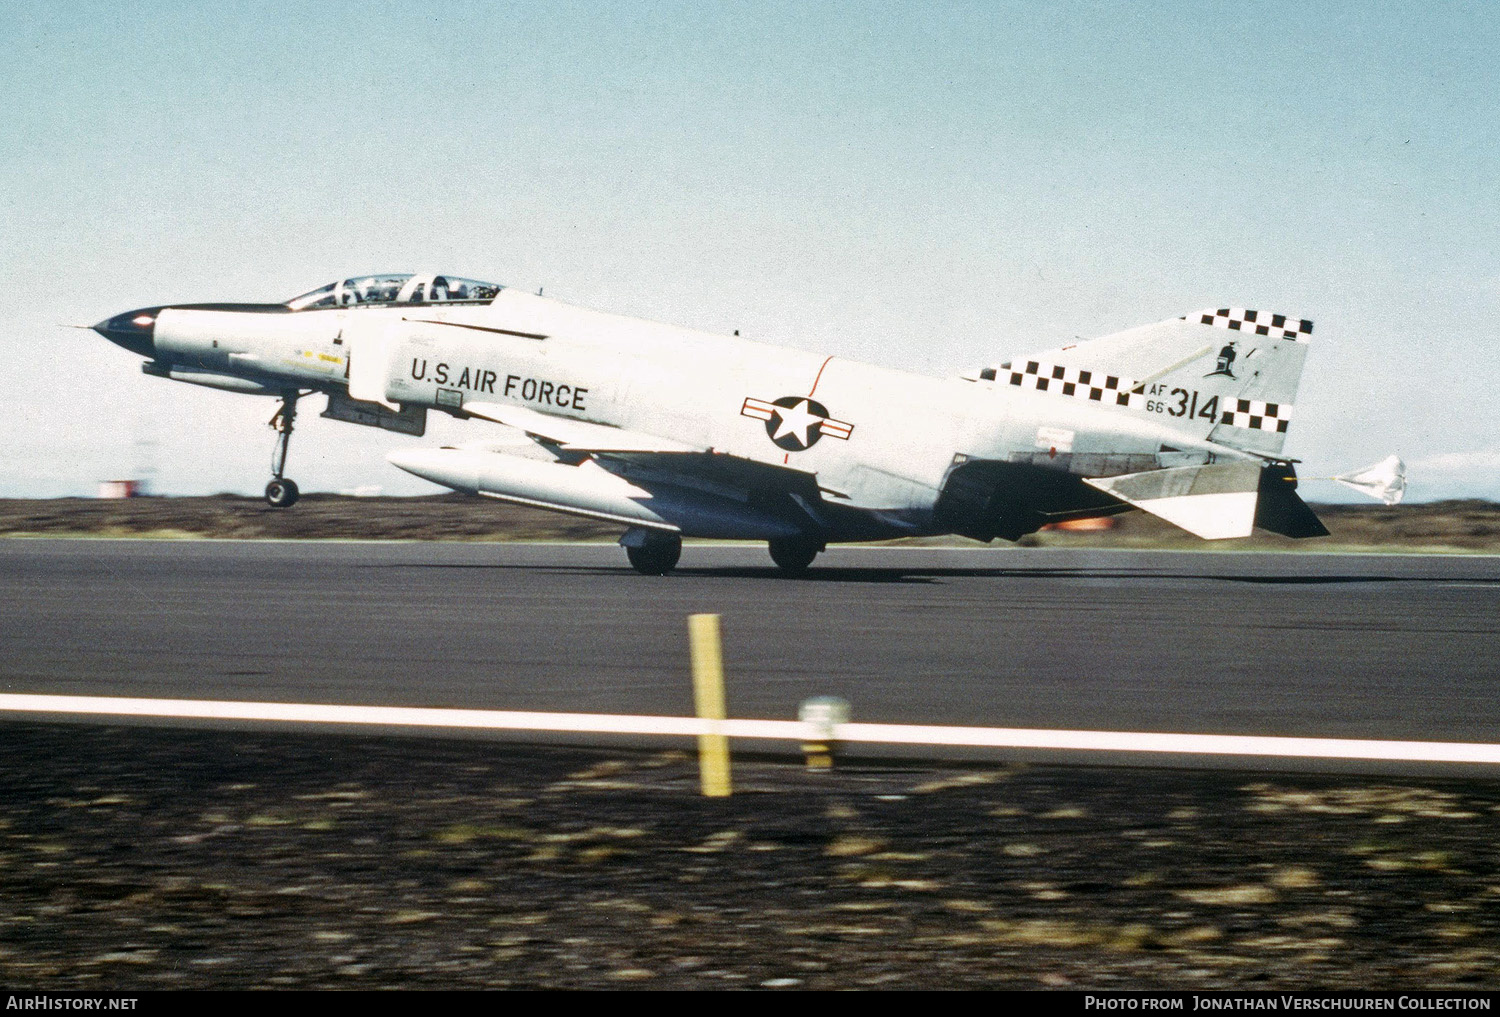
(764, 440)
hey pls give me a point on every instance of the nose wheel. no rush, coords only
(281, 492)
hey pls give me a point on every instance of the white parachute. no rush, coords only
(1384, 481)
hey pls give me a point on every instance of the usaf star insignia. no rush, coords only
(795, 423)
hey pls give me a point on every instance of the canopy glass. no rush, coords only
(377, 290)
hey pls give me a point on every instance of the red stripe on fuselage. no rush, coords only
(818, 378)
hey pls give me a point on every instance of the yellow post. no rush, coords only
(708, 696)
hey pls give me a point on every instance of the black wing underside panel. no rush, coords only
(985, 499)
(723, 471)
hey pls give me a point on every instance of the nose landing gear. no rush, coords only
(280, 492)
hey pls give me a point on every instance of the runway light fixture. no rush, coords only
(823, 715)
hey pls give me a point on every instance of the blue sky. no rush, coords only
(928, 186)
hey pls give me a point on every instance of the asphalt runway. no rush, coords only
(158, 857)
(1391, 647)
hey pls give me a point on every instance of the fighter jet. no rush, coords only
(673, 433)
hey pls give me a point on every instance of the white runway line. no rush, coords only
(889, 734)
(397, 716)
(1184, 744)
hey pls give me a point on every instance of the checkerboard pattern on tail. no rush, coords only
(1236, 390)
(1257, 415)
(1239, 319)
(1095, 386)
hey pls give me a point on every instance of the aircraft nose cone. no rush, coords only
(134, 330)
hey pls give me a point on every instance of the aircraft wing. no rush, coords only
(576, 435)
(721, 470)
(667, 458)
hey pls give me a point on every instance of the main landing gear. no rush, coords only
(651, 552)
(794, 554)
(280, 492)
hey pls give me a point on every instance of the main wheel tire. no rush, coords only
(656, 557)
(794, 554)
(281, 493)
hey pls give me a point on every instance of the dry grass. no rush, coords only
(1452, 526)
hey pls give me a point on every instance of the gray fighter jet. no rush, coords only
(672, 432)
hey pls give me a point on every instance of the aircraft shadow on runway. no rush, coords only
(909, 575)
(923, 575)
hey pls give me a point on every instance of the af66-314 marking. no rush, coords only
(1181, 402)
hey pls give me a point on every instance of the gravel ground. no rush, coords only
(315, 517)
(137, 858)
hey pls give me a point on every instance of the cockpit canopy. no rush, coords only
(406, 288)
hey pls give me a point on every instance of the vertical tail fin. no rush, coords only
(1271, 351)
(1228, 375)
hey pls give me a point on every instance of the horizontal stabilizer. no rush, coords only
(1213, 502)
(575, 435)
